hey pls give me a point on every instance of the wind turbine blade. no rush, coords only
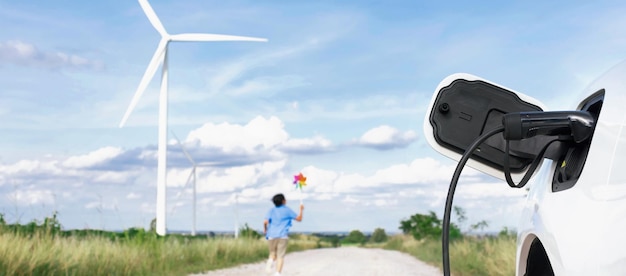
(189, 178)
(214, 37)
(154, 19)
(157, 59)
(184, 150)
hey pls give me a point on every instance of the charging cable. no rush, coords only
(445, 239)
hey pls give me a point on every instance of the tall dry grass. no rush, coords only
(468, 256)
(43, 254)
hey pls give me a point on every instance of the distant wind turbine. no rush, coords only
(160, 57)
(193, 175)
(236, 215)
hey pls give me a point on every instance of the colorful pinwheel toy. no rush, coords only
(299, 180)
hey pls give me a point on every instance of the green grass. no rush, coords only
(41, 253)
(42, 248)
(468, 256)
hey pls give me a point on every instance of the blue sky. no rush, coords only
(338, 93)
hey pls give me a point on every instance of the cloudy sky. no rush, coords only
(338, 93)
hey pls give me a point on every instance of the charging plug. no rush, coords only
(521, 125)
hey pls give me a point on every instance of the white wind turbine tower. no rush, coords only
(192, 175)
(236, 215)
(160, 57)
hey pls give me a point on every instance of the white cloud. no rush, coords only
(178, 177)
(481, 190)
(111, 177)
(317, 144)
(423, 177)
(261, 139)
(259, 134)
(29, 197)
(248, 192)
(421, 170)
(255, 182)
(390, 187)
(93, 158)
(320, 180)
(418, 176)
(385, 137)
(22, 53)
(346, 183)
(31, 167)
(241, 177)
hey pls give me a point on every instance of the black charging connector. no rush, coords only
(575, 124)
(570, 126)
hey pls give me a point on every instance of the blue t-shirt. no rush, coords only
(279, 222)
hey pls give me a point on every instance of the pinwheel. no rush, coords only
(300, 181)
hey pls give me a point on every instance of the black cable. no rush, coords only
(445, 239)
(529, 172)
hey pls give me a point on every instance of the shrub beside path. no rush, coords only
(340, 261)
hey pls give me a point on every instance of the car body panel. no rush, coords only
(582, 228)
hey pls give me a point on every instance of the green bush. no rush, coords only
(427, 226)
(49, 226)
(379, 235)
(507, 233)
(247, 232)
(355, 236)
(333, 240)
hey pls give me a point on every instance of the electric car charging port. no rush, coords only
(572, 159)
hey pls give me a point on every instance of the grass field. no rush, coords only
(43, 253)
(468, 256)
(42, 248)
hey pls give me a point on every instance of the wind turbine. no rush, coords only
(160, 57)
(236, 215)
(192, 175)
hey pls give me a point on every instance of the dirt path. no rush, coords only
(339, 261)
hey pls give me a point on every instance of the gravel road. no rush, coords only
(339, 261)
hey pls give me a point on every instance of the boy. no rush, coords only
(276, 230)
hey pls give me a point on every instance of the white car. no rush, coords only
(574, 218)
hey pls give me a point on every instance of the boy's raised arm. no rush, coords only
(299, 217)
